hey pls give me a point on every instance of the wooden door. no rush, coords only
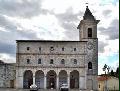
(72, 83)
(12, 83)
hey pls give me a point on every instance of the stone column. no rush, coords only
(45, 82)
(82, 82)
(19, 82)
(79, 83)
(33, 77)
(68, 81)
(57, 82)
(19, 79)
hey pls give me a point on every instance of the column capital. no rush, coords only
(68, 75)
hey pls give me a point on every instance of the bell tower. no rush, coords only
(88, 32)
(88, 26)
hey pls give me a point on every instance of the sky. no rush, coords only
(58, 20)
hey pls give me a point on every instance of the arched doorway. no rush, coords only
(51, 79)
(74, 79)
(62, 77)
(39, 79)
(27, 79)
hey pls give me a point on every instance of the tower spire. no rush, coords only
(88, 15)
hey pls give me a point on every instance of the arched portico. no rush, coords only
(27, 79)
(74, 79)
(51, 79)
(39, 79)
(62, 77)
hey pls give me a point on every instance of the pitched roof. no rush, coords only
(1, 62)
(103, 78)
(88, 15)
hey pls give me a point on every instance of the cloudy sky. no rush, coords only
(58, 20)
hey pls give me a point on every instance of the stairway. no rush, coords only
(56, 90)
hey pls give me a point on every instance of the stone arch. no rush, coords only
(74, 79)
(39, 78)
(27, 79)
(62, 77)
(51, 79)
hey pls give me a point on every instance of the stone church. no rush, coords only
(49, 64)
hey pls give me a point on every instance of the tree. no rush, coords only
(112, 73)
(106, 68)
(117, 72)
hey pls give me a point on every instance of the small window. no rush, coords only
(39, 48)
(90, 32)
(62, 61)
(75, 61)
(74, 49)
(89, 65)
(63, 49)
(39, 61)
(51, 48)
(99, 85)
(28, 48)
(28, 61)
(51, 61)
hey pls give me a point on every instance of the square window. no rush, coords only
(74, 49)
(28, 48)
(39, 61)
(39, 48)
(99, 85)
(28, 61)
(51, 61)
(63, 49)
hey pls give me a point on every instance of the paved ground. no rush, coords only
(9, 89)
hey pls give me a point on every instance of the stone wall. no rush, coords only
(7, 75)
(72, 50)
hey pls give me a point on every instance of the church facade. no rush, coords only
(49, 64)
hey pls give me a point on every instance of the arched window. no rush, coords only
(62, 61)
(39, 61)
(89, 65)
(28, 61)
(51, 48)
(89, 32)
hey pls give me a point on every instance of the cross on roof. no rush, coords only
(86, 5)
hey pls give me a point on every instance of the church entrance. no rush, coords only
(27, 79)
(12, 83)
(74, 79)
(72, 83)
(39, 79)
(62, 77)
(51, 79)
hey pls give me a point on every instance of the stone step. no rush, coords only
(56, 90)
(9, 89)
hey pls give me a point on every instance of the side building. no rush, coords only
(108, 82)
(7, 75)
